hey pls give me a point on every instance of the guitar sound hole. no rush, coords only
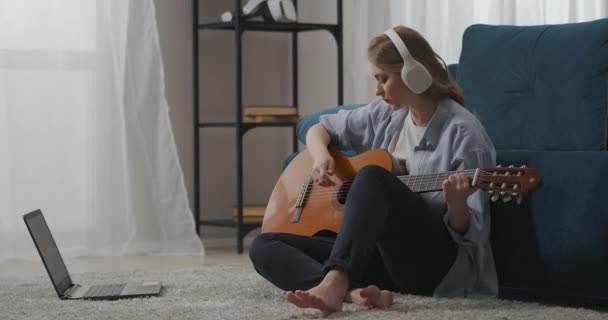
(326, 233)
(343, 192)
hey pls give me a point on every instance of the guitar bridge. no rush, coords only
(297, 215)
(301, 199)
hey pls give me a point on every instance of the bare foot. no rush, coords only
(327, 297)
(371, 297)
(354, 296)
(319, 298)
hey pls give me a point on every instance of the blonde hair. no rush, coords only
(383, 54)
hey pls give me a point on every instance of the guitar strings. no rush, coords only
(317, 190)
(415, 184)
(439, 177)
(339, 190)
(324, 195)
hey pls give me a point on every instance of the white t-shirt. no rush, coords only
(403, 149)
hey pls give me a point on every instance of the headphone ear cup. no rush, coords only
(288, 10)
(404, 76)
(416, 76)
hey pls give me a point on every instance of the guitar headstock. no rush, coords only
(507, 182)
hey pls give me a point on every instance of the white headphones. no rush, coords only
(268, 10)
(280, 11)
(414, 74)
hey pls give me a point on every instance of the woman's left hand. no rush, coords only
(456, 188)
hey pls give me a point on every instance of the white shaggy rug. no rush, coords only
(216, 292)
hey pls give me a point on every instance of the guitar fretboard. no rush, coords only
(430, 182)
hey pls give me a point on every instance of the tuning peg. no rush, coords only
(494, 197)
(514, 194)
(505, 196)
(520, 173)
(518, 199)
(511, 166)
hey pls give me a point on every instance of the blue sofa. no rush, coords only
(542, 94)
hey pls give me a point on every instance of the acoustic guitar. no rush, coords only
(299, 206)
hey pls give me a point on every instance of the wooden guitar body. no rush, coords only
(323, 212)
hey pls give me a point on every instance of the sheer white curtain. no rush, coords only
(442, 23)
(85, 133)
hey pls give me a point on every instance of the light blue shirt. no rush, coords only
(454, 140)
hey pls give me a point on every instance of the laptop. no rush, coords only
(66, 289)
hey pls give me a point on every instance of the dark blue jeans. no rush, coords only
(388, 238)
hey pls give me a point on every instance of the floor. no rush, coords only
(213, 256)
(226, 256)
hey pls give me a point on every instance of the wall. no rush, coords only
(267, 80)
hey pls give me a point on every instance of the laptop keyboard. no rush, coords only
(105, 290)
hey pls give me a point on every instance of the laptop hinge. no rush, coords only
(70, 290)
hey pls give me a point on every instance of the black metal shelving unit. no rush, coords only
(239, 26)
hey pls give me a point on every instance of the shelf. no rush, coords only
(252, 217)
(249, 117)
(274, 27)
(246, 124)
(251, 213)
(284, 111)
(259, 119)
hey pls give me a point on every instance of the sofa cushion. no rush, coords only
(538, 87)
(453, 71)
(557, 240)
(313, 118)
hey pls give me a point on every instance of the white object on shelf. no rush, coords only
(269, 10)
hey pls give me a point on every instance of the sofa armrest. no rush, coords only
(310, 120)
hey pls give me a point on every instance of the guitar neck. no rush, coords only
(430, 182)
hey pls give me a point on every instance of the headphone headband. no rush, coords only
(401, 47)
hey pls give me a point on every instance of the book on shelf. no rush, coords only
(269, 111)
(264, 118)
(251, 213)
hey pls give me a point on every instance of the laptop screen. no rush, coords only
(43, 239)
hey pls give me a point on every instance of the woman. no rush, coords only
(392, 239)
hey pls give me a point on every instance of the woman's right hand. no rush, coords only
(323, 167)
